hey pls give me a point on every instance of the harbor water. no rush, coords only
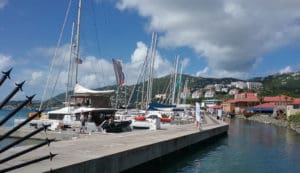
(249, 147)
(21, 114)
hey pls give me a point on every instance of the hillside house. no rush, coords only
(233, 91)
(293, 108)
(197, 94)
(209, 93)
(254, 85)
(239, 84)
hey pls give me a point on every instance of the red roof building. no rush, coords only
(266, 105)
(296, 101)
(278, 100)
(293, 107)
(240, 102)
(245, 100)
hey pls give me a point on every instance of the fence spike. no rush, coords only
(6, 74)
(20, 125)
(23, 138)
(46, 142)
(18, 87)
(50, 156)
(29, 99)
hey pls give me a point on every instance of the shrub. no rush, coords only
(294, 117)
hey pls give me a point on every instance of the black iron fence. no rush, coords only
(5, 76)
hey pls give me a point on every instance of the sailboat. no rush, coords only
(147, 118)
(93, 105)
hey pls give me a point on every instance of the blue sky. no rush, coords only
(223, 38)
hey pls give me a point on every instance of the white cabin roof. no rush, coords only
(80, 90)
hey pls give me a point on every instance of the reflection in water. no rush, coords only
(249, 147)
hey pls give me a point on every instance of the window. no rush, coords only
(296, 106)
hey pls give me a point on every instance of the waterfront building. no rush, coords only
(215, 109)
(281, 100)
(263, 108)
(243, 95)
(293, 107)
(240, 102)
(246, 100)
(211, 102)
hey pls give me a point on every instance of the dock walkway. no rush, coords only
(115, 152)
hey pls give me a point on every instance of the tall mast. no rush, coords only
(179, 87)
(175, 80)
(70, 67)
(77, 40)
(151, 67)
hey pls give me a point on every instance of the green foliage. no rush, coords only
(278, 84)
(193, 101)
(294, 117)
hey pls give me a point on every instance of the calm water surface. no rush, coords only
(21, 114)
(249, 148)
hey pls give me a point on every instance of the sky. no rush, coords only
(220, 38)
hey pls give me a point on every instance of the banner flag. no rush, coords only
(120, 77)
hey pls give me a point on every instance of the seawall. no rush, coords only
(117, 152)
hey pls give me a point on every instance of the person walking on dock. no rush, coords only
(82, 120)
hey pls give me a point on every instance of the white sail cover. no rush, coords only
(80, 90)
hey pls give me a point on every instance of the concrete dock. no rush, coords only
(115, 152)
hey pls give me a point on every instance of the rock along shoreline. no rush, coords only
(268, 119)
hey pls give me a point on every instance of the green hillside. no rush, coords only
(287, 84)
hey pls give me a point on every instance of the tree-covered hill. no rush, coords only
(288, 84)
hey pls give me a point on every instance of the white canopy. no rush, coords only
(80, 90)
(72, 110)
(64, 110)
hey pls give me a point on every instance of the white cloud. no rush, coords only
(93, 72)
(139, 53)
(36, 75)
(203, 72)
(185, 62)
(213, 73)
(287, 69)
(231, 34)
(5, 61)
(133, 69)
(3, 3)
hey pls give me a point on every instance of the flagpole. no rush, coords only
(117, 96)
